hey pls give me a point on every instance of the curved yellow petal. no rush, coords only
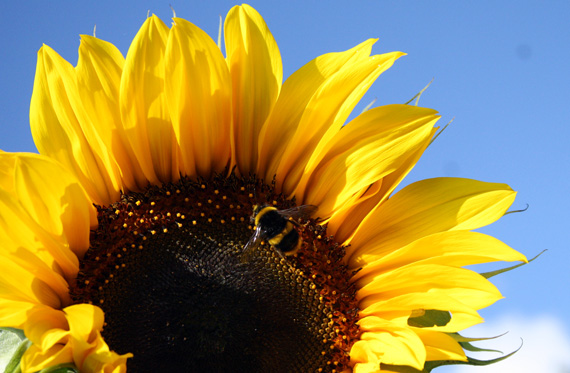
(59, 203)
(383, 342)
(297, 91)
(36, 359)
(256, 71)
(99, 70)
(45, 326)
(90, 352)
(344, 222)
(19, 281)
(398, 309)
(452, 248)
(18, 229)
(56, 129)
(144, 110)
(69, 336)
(370, 147)
(440, 346)
(325, 114)
(426, 207)
(43, 267)
(467, 286)
(198, 91)
(47, 329)
(14, 313)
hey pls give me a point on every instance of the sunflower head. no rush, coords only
(189, 211)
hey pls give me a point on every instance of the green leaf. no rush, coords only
(430, 318)
(499, 271)
(13, 344)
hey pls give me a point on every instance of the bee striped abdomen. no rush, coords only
(290, 242)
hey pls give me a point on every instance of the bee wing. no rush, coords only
(251, 245)
(303, 211)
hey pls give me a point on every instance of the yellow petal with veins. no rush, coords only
(99, 70)
(56, 128)
(19, 229)
(468, 286)
(325, 114)
(54, 227)
(452, 248)
(344, 222)
(440, 346)
(14, 313)
(144, 110)
(426, 207)
(382, 341)
(90, 352)
(370, 147)
(398, 309)
(199, 99)
(279, 129)
(256, 71)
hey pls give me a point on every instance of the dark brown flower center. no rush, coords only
(167, 268)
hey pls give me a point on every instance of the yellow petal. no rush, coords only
(70, 336)
(390, 343)
(56, 128)
(297, 91)
(18, 229)
(440, 346)
(398, 309)
(13, 313)
(36, 359)
(452, 248)
(426, 207)
(37, 261)
(144, 110)
(325, 114)
(370, 147)
(256, 71)
(99, 70)
(19, 282)
(344, 222)
(45, 327)
(199, 99)
(467, 286)
(59, 203)
(90, 352)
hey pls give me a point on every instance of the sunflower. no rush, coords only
(122, 241)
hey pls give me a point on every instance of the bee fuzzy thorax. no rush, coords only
(259, 211)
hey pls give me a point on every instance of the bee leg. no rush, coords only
(294, 222)
(279, 253)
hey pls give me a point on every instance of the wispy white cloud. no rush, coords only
(545, 346)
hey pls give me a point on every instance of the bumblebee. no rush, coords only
(275, 227)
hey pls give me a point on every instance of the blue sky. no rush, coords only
(499, 68)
